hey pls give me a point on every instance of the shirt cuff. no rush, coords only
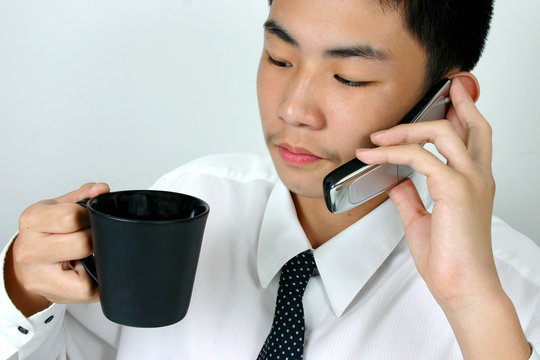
(18, 331)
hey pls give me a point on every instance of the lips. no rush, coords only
(296, 156)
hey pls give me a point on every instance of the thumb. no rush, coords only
(408, 203)
(415, 218)
(86, 191)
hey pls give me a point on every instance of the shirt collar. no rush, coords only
(347, 261)
(281, 236)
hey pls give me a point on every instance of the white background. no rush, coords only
(124, 91)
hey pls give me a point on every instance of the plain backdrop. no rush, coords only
(124, 91)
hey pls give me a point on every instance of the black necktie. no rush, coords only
(286, 338)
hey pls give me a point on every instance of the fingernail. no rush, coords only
(362, 151)
(379, 133)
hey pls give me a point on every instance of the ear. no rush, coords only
(469, 81)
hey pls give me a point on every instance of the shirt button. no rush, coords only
(49, 319)
(22, 330)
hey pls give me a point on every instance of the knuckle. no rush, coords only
(27, 219)
(83, 243)
(69, 215)
(24, 250)
(405, 137)
(24, 221)
(68, 218)
(412, 157)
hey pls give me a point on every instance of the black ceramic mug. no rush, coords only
(146, 249)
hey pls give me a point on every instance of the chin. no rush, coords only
(302, 183)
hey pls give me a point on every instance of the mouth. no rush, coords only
(296, 156)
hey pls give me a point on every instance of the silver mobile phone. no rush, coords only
(354, 182)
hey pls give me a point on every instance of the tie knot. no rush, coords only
(297, 271)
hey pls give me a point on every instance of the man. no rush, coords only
(410, 277)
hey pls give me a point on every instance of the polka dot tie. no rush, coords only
(286, 338)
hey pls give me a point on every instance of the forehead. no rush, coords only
(317, 24)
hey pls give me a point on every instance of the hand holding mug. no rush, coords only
(42, 264)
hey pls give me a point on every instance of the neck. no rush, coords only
(320, 225)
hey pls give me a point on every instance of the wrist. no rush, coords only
(487, 327)
(27, 302)
(469, 299)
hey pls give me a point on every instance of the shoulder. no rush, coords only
(237, 167)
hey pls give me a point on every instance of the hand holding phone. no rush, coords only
(355, 182)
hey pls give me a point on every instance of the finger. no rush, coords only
(61, 215)
(408, 202)
(414, 216)
(460, 128)
(72, 286)
(89, 190)
(58, 218)
(68, 247)
(479, 131)
(413, 155)
(441, 133)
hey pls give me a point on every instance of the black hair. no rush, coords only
(453, 32)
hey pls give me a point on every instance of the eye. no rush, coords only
(351, 83)
(278, 62)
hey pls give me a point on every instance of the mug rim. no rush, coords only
(124, 219)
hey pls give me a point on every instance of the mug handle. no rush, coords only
(89, 262)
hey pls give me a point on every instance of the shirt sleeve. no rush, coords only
(40, 333)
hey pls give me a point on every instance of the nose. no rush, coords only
(299, 106)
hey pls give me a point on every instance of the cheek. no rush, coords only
(359, 115)
(266, 95)
(355, 118)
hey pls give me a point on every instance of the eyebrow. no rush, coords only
(273, 28)
(364, 51)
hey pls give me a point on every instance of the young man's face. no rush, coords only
(332, 73)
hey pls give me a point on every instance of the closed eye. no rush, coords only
(278, 62)
(351, 83)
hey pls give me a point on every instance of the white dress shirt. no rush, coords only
(366, 302)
